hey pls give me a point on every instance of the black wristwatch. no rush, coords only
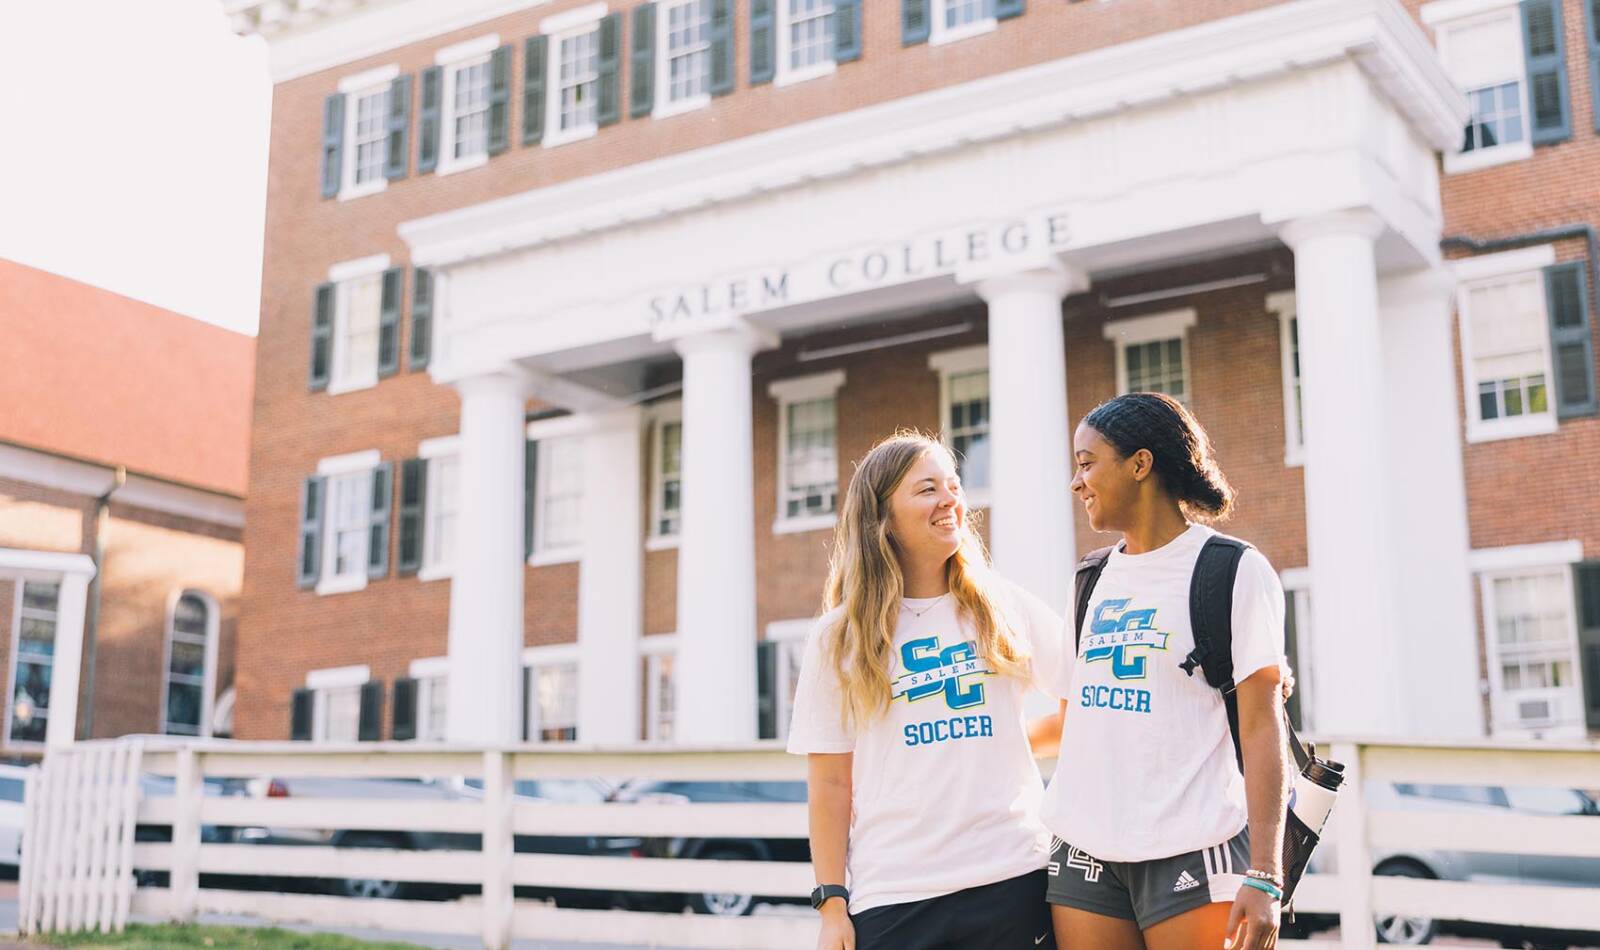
(824, 891)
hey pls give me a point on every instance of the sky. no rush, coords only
(133, 150)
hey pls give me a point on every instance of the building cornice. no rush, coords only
(91, 480)
(1376, 34)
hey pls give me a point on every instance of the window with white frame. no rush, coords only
(666, 467)
(443, 505)
(808, 453)
(191, 661)
(964, 414)
(366, 131)
(357, 316)
(1151, 353)
(1298, 646)
(1505, 343)
(805, 39)
(33, 660)
(575, 83)
(336, 703)
(432, 675)
(552, 694)
(778, 675)
(1483, 53)
(958, 19)
(1531, 636)
(1283, 304)
(685, 54)
(347, 520)
(464, 112)
(558, 498)
(661, 702)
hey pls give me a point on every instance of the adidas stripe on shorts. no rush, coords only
(1147, 892)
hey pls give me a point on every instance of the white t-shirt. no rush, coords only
(945, 794)
(1147, 767)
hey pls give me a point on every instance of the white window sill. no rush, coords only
(967, 31)
(338, 387)
(555, 139)
(661, 542)
(461, 164)
(667, 110)
(364, 189)
(790, 77)
(348, 584)
(804, 523)
(1514, 428)
(435, 572)
(558, 556)
(1472, 161)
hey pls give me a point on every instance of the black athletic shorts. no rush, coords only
(1148, 892)
(1005, 915)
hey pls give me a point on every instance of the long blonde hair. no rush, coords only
(864, 578)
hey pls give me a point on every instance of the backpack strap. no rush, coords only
(1089, 571)
(1211, 617)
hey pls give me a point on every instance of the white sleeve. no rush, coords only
(1257, 617)
(1045, 632)
(817, 723)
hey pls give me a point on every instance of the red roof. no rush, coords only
(97, 376)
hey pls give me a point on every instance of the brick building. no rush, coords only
(576, 313)
(123, 446)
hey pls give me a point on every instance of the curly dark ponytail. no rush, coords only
(1182, 451)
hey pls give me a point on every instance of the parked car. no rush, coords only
(716, 849)
(161, 786)
(12, 783)
(1473, 803)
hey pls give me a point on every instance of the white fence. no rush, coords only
(79, 848)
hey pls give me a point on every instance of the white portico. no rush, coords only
(1314, 123)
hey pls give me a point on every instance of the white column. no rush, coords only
(1350, 533)
(1436, 625)
(62, 726)
(716, 663)
(1031, 528)
(486, 630)
(610, 580)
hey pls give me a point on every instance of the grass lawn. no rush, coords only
(163, 936)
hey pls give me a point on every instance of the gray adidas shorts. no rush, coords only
(1147, 892)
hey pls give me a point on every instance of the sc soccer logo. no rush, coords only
(1123, 636)
(931, 671)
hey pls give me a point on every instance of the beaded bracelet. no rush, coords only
(1264, 887)
(1267, 876)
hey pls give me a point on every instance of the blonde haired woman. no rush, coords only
(924, 795)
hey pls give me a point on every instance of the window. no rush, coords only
(1484, 55)
(1505, 339)
(464, 104)
(358, 291)
(439, 537)
(575, 85)
(349, 500)
(805, 39)
(1283, 304)
(336, 703)
(353, 534)
(1531, 638)
(958, 19)
(685, 55)
(552, 691)
(365, 136)
(33, 661)
(558, 500)
(1297, 646)
(1151, 354)
(964, 415)
(778, 674)
(191, 663)
(808, 456)
(666, 467)
(433, 697)
(660, 692)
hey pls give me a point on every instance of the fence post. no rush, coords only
(498, 848)
(185, 875)
(1355, 856)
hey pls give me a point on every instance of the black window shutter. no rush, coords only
(608, 106)
(1587, 578)
(721, 47)
(404, 725)
(371, 726)
(499, 100)
(764, 41)
(421, 317)
(399, 145)
(533, 70)
(530, 474)
(1591, 15)
(1545, 46)
(413, 511)
(1291, 643)
(846, 31)
(378, 537)
(642, 62)
(1571, 348)
(332, 144)
(766, 690)
(322, 304)
(394, 280)
(428, 116)
(1006, 9)
(915, 22)
(300, 703)
(308, 558)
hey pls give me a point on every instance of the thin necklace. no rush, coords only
(918, 613)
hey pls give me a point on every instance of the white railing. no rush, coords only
(83, 879)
